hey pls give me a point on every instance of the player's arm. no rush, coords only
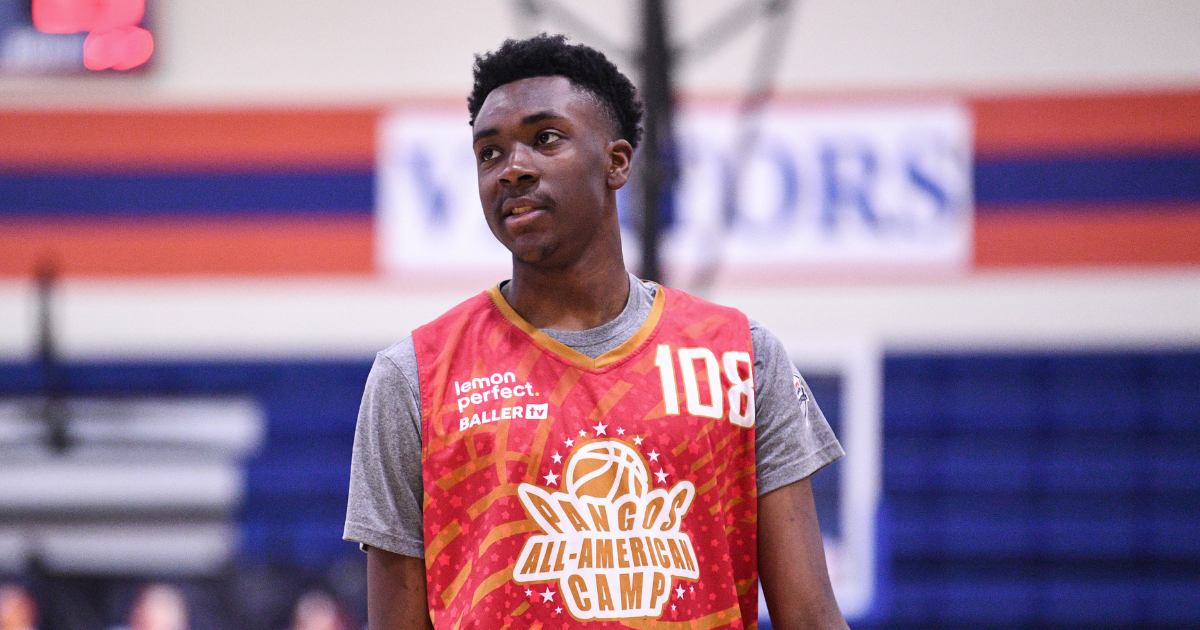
(791, 561)
(396, 592)
(792, 441)
(383, 511)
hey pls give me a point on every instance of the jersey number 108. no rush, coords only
(740, 393)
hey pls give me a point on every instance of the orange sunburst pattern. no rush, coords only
(567, 492)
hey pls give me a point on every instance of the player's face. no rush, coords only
(548, 169)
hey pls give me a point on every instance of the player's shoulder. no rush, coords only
(764, 342)
(398, 354)
(685, 310)
(456, 315)
(687, 304)
(395, 366)
(767, 345)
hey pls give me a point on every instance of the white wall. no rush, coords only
(154, 319)
(229, 51)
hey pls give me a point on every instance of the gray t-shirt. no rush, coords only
(792, 438)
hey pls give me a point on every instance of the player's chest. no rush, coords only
(663, 386)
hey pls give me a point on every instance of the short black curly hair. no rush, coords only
(550, 55)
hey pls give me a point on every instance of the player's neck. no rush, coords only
(585, 295)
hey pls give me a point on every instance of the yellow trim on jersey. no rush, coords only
(569, 353)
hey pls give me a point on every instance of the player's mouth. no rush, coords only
(520, 208)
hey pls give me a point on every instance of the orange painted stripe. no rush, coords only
(106, 140)
(1004, 237)
(297, 137)
(1087, 237)
(240, 246)
(1016, 125)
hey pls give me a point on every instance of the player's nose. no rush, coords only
(519, 168)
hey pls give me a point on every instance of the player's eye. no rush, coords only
(547, 137)
(487, 154)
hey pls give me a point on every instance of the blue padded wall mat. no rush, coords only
(1031, 490)
(1043, 490)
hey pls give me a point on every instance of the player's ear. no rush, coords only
(620, 163)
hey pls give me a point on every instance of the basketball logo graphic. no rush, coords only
(607, 469)
(614, 543)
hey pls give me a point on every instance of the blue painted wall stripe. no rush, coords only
(1093, 179)
(1082, 180)
(137, 194)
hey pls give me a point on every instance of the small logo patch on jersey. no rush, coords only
(801, 394)
(498, 391)
(611, 542)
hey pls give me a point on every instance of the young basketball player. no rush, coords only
(576, 448)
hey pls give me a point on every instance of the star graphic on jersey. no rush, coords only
(672, 607)
(679, 591)
(653, 456)
(558, 611)
(692, 589)
(582, 433)
(620, 431)
(570, 443)
(528, 593)
(556, 457)
(547, 595)
(662, 476)
(637, 439)
(551, 478)
(601, 429)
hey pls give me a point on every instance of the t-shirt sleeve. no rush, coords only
(386, 489)
(792, 439)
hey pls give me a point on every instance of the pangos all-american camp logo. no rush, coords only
(611, 542)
